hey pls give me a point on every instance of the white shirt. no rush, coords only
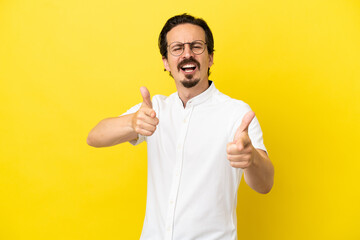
(191, 187)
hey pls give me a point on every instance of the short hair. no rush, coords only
(181, 19)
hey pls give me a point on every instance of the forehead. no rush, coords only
(186, 32)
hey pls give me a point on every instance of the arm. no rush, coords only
(258, 169)
(260, 173)
(112, 131)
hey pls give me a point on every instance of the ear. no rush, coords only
(211, 59)
(166, 64)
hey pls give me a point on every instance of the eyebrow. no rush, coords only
(186, 42)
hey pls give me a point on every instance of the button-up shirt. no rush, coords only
(191, 186)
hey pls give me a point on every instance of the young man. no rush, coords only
(200, 141)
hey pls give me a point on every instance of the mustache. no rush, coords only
(186, 61)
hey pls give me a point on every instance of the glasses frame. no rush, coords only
(190, 45)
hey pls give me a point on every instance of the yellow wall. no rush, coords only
(65, 65)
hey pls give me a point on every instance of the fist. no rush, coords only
(240, 152)
(144, 121)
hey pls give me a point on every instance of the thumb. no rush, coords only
(249, 116)
(146, 96)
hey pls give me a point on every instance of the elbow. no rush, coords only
(267, 188)
(269, 182)
(96, 140)
(91, 141)
(262, 188)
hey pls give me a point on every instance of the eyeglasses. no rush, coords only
(177, 48)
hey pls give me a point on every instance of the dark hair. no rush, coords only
(181, 19)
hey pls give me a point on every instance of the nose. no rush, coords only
(187, 51)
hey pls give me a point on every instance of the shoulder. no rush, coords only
(231, 103)
(163, 103)
(161, 99)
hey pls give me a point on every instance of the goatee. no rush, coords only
(191, 83)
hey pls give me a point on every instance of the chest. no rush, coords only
(196, 130)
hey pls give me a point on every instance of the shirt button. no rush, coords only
(185, 120)
(168, 229)
(179, 146)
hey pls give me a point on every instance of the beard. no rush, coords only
(190, 82)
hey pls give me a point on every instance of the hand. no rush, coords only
(240, 152)
(144, 120)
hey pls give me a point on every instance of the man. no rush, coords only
(200, 141)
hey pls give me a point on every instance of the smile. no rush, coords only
(188, 68)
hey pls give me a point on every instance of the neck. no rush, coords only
(186, 94)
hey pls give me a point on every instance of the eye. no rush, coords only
(197, 45)
(177, 47)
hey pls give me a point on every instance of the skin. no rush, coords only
(188, 33)
(258, 169)
(113, 131)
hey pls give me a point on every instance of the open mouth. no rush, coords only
(188, 68)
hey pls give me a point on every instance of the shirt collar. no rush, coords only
(202, 97)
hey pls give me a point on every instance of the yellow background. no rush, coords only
(67, 64)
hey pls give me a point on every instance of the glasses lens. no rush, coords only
(198, 47)
(176, 48)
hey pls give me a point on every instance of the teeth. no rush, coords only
(188, 66)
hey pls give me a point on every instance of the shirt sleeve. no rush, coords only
(140, 137)
(254, 130)
(256, 135)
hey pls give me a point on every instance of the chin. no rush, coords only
(190, 83)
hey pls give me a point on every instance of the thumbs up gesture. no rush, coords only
(240, 152)
(144, 121)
